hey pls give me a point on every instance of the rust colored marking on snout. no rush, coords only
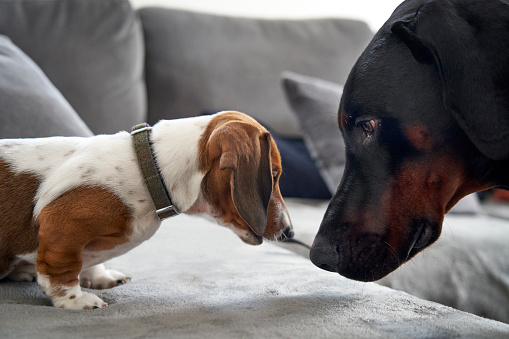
(376, 238)
(422, 191)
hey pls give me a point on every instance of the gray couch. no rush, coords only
(82, 67)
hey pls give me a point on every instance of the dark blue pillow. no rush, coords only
(300, 178)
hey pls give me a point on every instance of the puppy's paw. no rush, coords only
(79, 301)
(97, 277)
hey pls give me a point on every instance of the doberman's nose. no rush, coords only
(324, 255)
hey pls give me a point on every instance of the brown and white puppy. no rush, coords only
(68, 204)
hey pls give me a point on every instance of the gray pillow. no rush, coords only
(30, 105)
(315, 103)
(91, 50)
(199, 63)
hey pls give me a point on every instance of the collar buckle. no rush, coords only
(167, 212)
(140, 129)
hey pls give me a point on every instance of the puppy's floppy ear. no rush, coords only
(469, 43)
(250, 181)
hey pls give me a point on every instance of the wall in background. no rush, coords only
(373, 12)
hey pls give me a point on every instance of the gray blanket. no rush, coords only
(195, 279)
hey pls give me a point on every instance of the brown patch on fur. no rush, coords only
(277, 208)
(428, 188)
(91, 218)
(229, 121)
(58, 291)
(18, 231)
(420, 137)
(237, 134)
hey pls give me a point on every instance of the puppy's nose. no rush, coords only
(288, 233)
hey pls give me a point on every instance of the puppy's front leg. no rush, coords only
(58, 266)
(84, 217)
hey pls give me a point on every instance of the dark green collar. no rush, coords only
(153, 179)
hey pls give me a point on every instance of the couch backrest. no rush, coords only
(198, 63)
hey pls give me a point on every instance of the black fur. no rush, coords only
(435, 80)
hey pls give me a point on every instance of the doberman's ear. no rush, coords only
(469, 44)
(251, 182)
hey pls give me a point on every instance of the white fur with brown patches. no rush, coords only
(109, 161)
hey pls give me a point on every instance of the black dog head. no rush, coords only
(425, 119)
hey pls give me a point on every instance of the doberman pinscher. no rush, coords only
(425, 119)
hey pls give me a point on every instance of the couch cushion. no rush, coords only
(195, 279)
(197, 62)
(315, 103)
(300, 177)
(92, 51)
(31, 106)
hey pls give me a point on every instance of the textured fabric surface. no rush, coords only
(198, 62)
(315, 103)
(467, 268)
(91, 50)
(195, 279)
(30, 105)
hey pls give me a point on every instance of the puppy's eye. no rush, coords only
(368, 127)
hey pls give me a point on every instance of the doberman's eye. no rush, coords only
(368, 127)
